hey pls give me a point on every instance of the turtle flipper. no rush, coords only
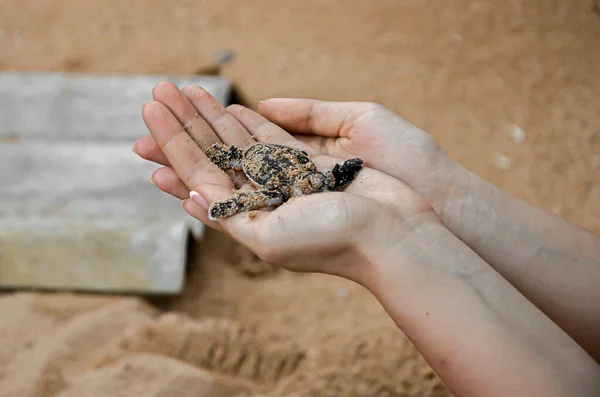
(345, 173)
(244, 201)
(225, 157)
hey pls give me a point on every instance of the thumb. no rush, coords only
(310, 116)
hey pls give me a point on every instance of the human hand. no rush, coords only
(383, 235)
(386, 141)
(325, 232)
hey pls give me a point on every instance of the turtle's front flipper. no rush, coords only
(244, 201)
(343, 174)
(225, 157)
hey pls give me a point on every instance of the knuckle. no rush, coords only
(190, 89)
(173, 140)
(272, 256)
(265, 245)
(249, 141)
(235, 108)
(263, 238)
(197, 93)
(266, 255)
(373, 106)
(266, 129)
(189, 178)
(310, 115)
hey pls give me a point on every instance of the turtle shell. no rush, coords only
(273, 166)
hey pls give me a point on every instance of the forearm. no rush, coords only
(553, 262)
(480, 334)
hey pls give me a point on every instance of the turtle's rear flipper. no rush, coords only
(345, 173)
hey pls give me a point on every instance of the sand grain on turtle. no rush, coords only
(278, 172)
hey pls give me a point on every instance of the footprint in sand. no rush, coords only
(219, 345)
(60, 355)
(152, 375)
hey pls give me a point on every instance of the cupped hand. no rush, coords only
(324, 232)
(383, 139)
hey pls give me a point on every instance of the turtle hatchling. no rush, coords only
(278, 172)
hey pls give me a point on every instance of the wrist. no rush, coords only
(393, 243)
(455, 309)
(458, 197)
(440, 185)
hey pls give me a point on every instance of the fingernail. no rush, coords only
(260, 102)
(133, 148)
(199, 200)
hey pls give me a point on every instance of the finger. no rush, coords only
(282, 229)
(168, 181)
(249, 228)
(184, 155)
(270, 232)
(370, 183)
(264, 130)
(309, 116)
(328, 146)
(199, 213)
(227, 127)
(147, 148)
(181, 107)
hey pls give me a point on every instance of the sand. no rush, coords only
(508, 88)
(242, 328)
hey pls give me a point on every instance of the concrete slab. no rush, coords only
(77, 210)
(61, 106)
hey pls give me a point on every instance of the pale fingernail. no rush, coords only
(133, 148)
(260, 102)
(199, 200)
(152, 177)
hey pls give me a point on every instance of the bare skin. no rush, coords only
(553, 262)
(477, 331)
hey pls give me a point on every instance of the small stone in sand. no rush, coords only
(517, 134)
(501, 161)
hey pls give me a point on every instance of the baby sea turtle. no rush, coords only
(278, 172)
